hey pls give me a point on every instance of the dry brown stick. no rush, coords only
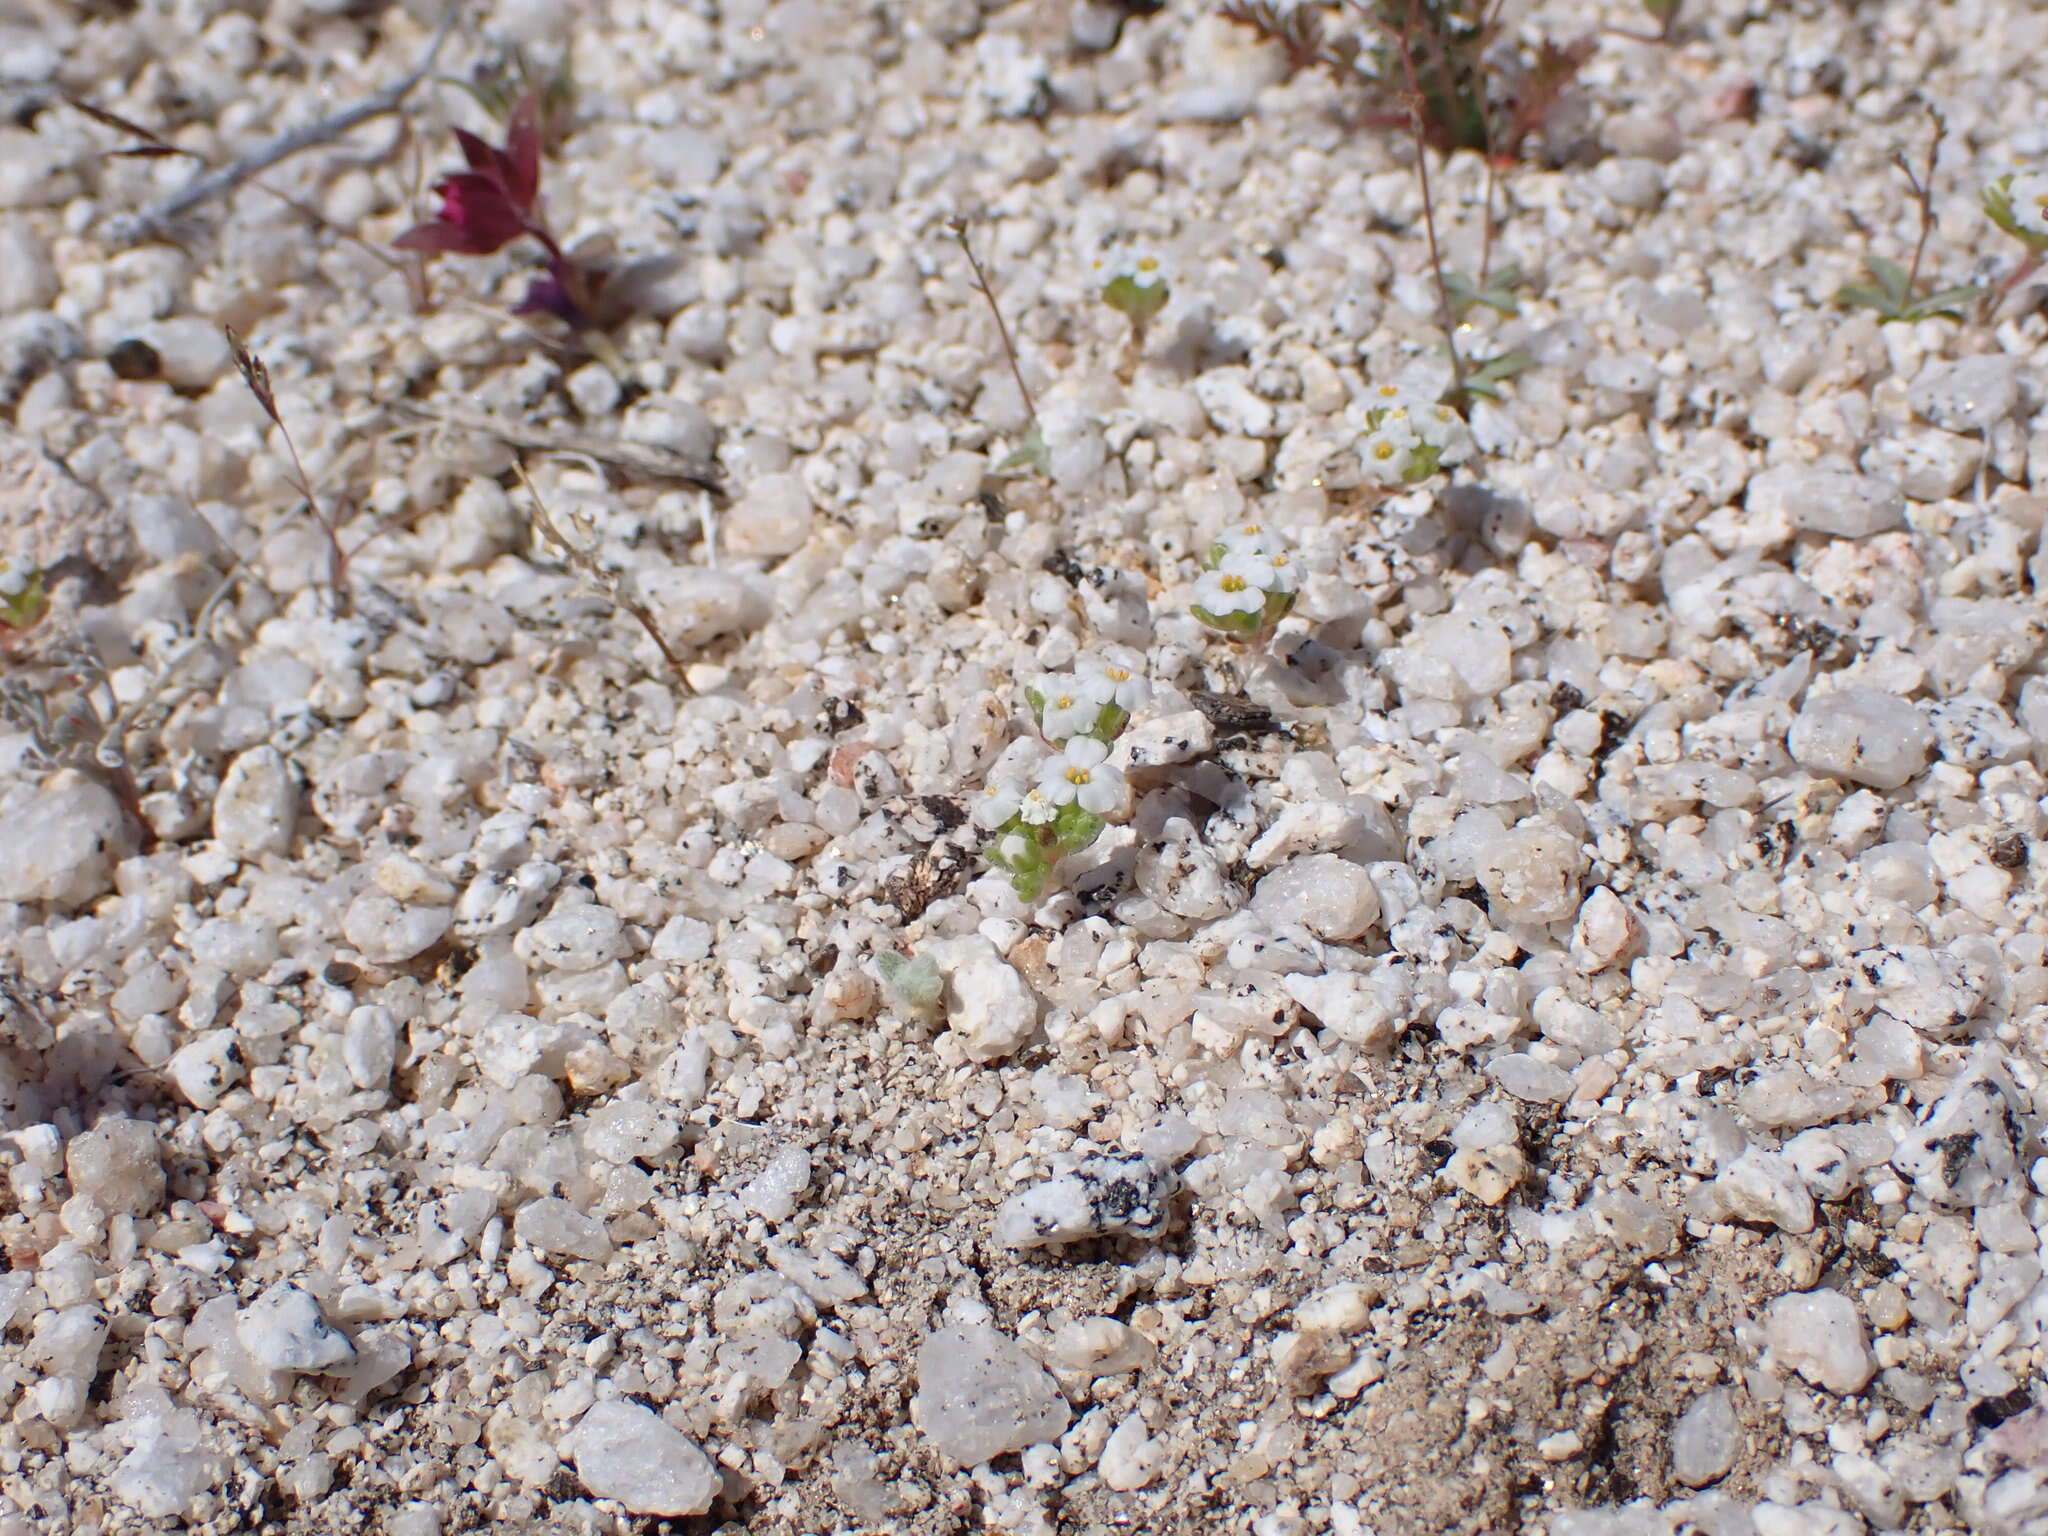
(153, 221)
(641, 460)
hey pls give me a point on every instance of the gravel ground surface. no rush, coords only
(1551, 1039)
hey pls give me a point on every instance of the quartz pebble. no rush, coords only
(284, 1330)
(1762, 1186)
(167, 1471)
(773, 518)
(1863, 735)
(1829, 501)
(555, 1226)
(386, 931)
(1706, 1439)
(62, 845)
(987, 1003)
(1330, 896)
(979, 1395)
(626, 1452)
(1820, 1335)
(1102, 1195)
(119, 1163)
(1973, 394)
(258, 804)
(206, 1067)
(27, 278)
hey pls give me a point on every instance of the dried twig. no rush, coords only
(958, 229)
(1436, 261)
(606, 582)
(154, 221)
(257, 377)
(1923, 191)
(640, 460)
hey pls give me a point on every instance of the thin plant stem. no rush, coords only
(1436, 260)
(1923, 191)
(1488, 228)
(609, 585)
(958, 228)
(257, 378)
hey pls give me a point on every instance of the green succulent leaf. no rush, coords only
(1031, 455)
(23, 608)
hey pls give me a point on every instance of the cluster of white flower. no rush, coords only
(1096, 699)
(1408, 437)
(1248, 582)
(1134, 282)
(1077, 790)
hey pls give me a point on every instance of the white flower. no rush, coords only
(2029, 193)
(1443, 429)
(1226, 591)
(1036, 810)
(1073, 702)
(1387, 453)
(1012, 849)
(1141, 264)
(1394, 400)
(1004, 798)
(1081, 776)
(1119, 679)
(1250, 538)
(15, 575)
(1261, 571)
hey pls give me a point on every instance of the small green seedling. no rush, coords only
(22, 598)
(911, 984)
(1496, 292)
(1889, 293)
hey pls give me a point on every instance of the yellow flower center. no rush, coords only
(1383, 450)
(1077, 775)
(1064, 701)
(1116, 674)
(1232, 582)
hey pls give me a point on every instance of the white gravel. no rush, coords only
(1555, 1039)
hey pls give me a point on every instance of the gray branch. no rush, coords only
(153, 222)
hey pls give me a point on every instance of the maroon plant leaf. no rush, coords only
(476, 218)
(479, 156)
(520, 158)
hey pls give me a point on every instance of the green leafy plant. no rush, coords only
(1890, 291)
(499, 85)
(1077, 792)
(911, 984)
(2017, 203)
(22, 598)
(1890, 294)
(1441, 70)
(1496, 292)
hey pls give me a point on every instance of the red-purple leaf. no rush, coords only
(521, 155)
(476, 153)
(436, 238)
